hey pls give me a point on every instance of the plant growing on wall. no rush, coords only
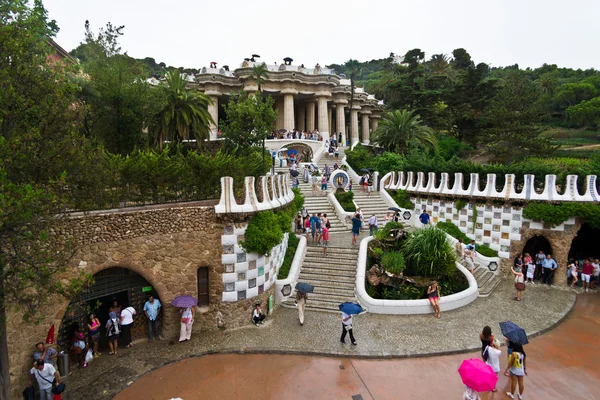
(263, 233)
(474, 219)
(402, 198)
(460, 204)
(556, 214)
(455, 232)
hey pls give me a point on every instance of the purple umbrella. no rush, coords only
(184, 301)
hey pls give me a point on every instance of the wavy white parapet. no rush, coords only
(280, 194)
(408, 307)
(288, 284)
(426, 184)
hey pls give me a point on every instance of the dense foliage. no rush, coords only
(428, 253)
(556, 214)
(456, 233)
(284, 271)
(402, 199)
(346, 200)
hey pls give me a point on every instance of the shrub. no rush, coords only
(455, 232)
(460, 204)
(263, 233)
(402, 198)
(393, 262)
(284, 271)
(345, 199)
(556, 214)
(386, 230)
(428, 253)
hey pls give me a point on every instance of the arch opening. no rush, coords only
(585, 243)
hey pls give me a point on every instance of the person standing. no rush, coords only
(314, 181)
(319, 228)
(45, 374)
(529, 268)
(487, 337)
(301, 301)
(586, 274)
(433, 293)
(539, 265)
(356, 224)
(112, 332)
(517, 271)
(370, 186)
(549, 268)
(470, 261)
(152, 311)
(372, 225)
(126, 325)
(187, 320)
(459, 249)
(94, 333)
(493, 357)
(347, 328)
(325, 237)
(424, 217)
(516, 369)
(324, 185)
(46, 354)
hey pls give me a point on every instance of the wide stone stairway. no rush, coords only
(369, 205)
(486, 280)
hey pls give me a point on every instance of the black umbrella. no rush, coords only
(304, 287)
(365, 170)
(294, 173)
(513, 332)
(394, 209)
(282, 131)
(255, 56)
(371, 169)
(288, 59)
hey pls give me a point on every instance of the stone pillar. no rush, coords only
(365, 128)
(323, 123)
(310, 116)
(374, 124)
(330, 120)
(279, 106)
(340, 121)
(301, 118)
(288, 112)
(213, 110)
(354, 126)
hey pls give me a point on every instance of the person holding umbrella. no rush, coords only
(302, 289)
(347, 310)
(187, 304)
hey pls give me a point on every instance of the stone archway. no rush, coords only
(536, 244)
(585, 243)
(301, 152)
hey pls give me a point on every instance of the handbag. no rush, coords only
(520, 286)
(56, 389)
(348, 327)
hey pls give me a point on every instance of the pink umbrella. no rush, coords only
(477, 375)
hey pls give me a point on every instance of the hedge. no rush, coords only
(456, 233)
(345, 199)
(556, 214)
(284, 271)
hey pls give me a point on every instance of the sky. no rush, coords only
(192, 33)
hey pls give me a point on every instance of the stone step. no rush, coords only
(329, 260)
(489, 287)
(336, 292)
(331, 256)
(327, 275)
(328, 271)
(318, 282)
(340, 249)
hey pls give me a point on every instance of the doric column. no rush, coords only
(213, 110)
(340, 123)
(365, 128)
(288, 112)
(310, 116)
(323, 123)
(354, 126)
(301, 118)
(374, 124)
(330, 120)
(279, 106)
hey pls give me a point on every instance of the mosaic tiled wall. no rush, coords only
(247, 275)
(495, 226)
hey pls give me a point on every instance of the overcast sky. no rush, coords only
(192, 33)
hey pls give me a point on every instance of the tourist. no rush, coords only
(305, 174)
(301, 302)
(295, 182)
(365, 182)
(347, 328)
(327, 171)
(397, 217)
(324, 185)
(337, 153)
(573, 274)
(313, 226)
(112, 332)
(372, 224)
(472, 246)
(116, 307)
(493, 357)
(386, 220)
(350, 185)
(126, 325)
(596, 275)
(299, 225)
(470, 394)
(433, 293)
(516, 370)
(318, 228)
(325, 237)
(152, 311)
(487, 337)
(470, 261)
(370, 186)
(257, 315)
(359, 212)
(356, 225)
(46, 354)
(539, 264)
(45, 374)
(307, 228)
(79, 346)
(340, 138)
(459, 248)
(549, 268)
(187, 321)
(529, 268)
(314, 180)
(94, 333)
(586, 274)
(424, 217)
(517, 270)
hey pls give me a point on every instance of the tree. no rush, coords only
(184, 113)
(352, 67)
(586, 113)
(402, 130)
(260, 73)
(248, 121)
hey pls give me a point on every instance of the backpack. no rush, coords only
(114, 328)
(485, 353)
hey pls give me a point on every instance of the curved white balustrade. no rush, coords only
(280, 195)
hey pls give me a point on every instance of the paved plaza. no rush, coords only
(378, 336)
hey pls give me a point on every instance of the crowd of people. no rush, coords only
(336, 140)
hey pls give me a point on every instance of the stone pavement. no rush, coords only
(377, 336)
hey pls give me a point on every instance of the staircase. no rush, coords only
(486, 281)
(375, 204)
(332, 276)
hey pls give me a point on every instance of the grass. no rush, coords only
(284, 271)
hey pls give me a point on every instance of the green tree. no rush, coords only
(586, 113)
(184, 113)
(403, 130)
(260, 73)
(248, 121)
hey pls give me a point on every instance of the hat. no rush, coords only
(112, 315)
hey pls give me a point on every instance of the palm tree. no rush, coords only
(439, 64)
(260, 73)
(352, 67)
(402, 130)
(548, 82)
(184, 114)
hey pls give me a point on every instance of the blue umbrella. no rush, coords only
(350, 308)
(304, 287)
(513, 332)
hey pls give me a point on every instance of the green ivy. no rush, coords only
(556, 214)
(402, 199)
(345, 200)
(455, 232)
(284, 271)
(460, 204)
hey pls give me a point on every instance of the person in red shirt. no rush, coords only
(325, 237)
(586, 273)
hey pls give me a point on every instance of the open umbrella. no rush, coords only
(365, 170)
(304, 287)
(184, 301)
(513, 332)
(394, 209)
(255, 56)
(477, 375)
(294, 173)
(350, 308)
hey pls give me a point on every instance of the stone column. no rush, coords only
(301, 118)
(340, 121)
(288, 112)
(374, 124)
(354, 125)
(365, 128)
(330, 120)
(279, 106)
(213, 110)
(310, 116)
(323, 123)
